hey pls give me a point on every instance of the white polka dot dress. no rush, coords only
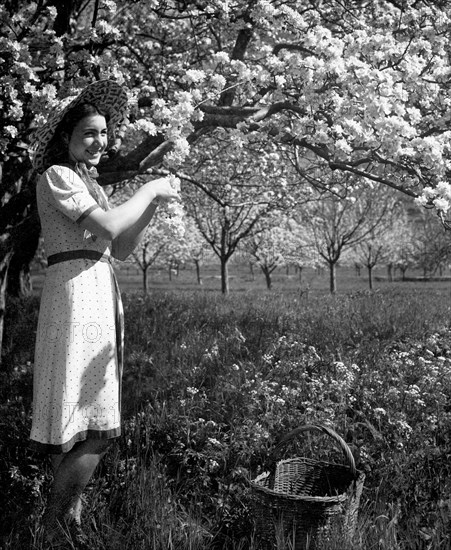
(76, 385)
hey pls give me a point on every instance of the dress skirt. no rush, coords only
(76, 391)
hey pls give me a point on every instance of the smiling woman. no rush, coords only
(89, 140)
(79, 345)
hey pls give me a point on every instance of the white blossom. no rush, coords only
(193, 76)
(11, 130)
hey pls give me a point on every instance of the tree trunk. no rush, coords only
(332, 278)
(223, 257)
(198, 275)
(145, 280)
(267, 277)
(390, 272)
(25, 244)
(370, 277)
(224, 276)
(251, 269)
(301, 269)
(19, 282)
(4, 265)
(64, 11)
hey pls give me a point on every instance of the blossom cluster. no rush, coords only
(439, 197)
(376, 91)
(173, 213)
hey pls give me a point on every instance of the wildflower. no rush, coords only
(213, 465)
(393, 392)
(214, 352)
(51, 12)
(314, 353)
(109, 5)
(355, 367)
(12, 131)
(404, 427)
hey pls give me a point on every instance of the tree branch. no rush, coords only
(291, 47)
(140, 160)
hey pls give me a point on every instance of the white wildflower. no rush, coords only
(11, 130)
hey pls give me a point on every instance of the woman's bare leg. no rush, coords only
(72, 472)
(75, 511)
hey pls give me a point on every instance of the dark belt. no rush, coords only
(119, 310)
(77, 255)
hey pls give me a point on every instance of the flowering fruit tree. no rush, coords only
(364, 86)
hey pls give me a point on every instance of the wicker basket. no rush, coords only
(301, 498)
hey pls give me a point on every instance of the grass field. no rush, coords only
(242, 280)
(212, 382)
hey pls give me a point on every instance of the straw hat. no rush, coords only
(107, 95)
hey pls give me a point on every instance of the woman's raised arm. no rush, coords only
(124, 225)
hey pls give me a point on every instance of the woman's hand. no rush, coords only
(164, 188)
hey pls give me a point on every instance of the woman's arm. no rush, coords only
(126, 242)
(124, 224)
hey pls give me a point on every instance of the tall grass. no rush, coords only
(211, 383)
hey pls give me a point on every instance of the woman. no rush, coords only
(78, 360)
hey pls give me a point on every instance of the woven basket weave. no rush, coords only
(303, 497)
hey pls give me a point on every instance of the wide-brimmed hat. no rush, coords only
(109, 96)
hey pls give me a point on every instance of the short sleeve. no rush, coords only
(68, 192)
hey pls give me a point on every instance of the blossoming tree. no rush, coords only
(282, 243)
(267, 249)
(374, 250)
(363, 86)
(340, 222)
(431, 246)
(149, 250)
(233, 192)
(197, 249)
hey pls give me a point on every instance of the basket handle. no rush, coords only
(324, 429)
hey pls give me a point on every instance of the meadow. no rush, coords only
(212, 382)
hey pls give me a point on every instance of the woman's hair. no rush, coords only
(57, 149)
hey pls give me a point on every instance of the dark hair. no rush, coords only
(57, 150)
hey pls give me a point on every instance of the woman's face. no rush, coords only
(89, 140)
